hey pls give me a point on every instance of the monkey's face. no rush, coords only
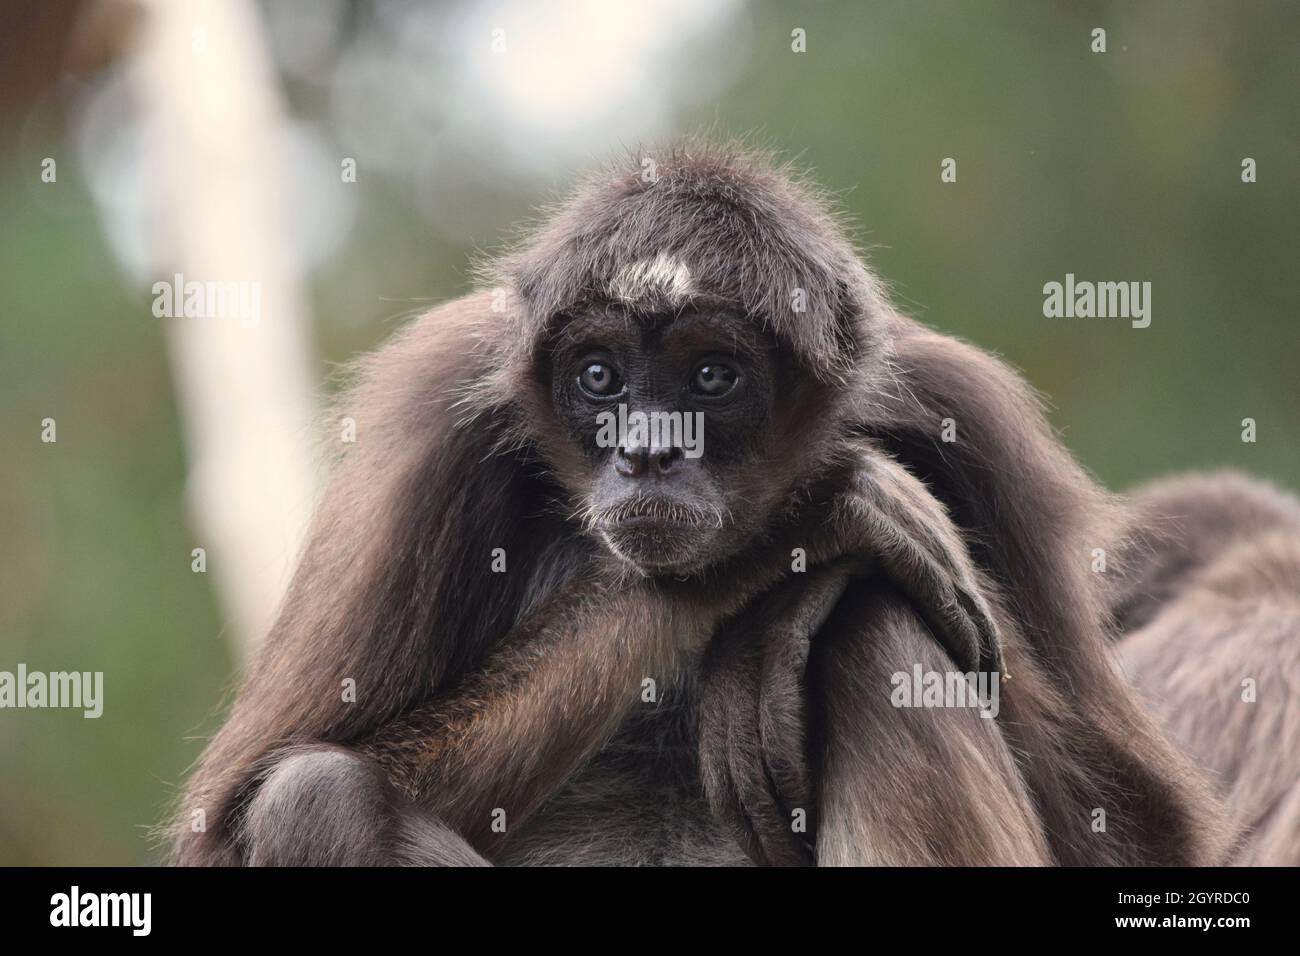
(671, 418)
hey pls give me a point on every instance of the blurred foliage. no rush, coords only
(1122, 166)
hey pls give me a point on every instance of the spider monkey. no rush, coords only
(567, 650)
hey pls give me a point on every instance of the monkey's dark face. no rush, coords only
(671, 415)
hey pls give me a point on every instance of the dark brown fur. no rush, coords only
(480, 692)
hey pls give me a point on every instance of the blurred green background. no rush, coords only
(1117, 166)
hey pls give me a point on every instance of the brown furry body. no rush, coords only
(1211, 600)
(486, 698)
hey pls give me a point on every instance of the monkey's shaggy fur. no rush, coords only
(522, 692)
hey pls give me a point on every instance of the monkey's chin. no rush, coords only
(654, 548)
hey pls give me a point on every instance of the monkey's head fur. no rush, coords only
(700, 290)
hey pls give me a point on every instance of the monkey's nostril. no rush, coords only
(631, 462)
(665, 458)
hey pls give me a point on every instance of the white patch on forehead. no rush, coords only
(663, 277)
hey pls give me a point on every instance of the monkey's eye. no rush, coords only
(713, 380)
(600, 379)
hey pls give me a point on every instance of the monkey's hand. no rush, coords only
(888, 514)
(751, 717)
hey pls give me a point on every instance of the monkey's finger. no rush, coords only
(752, 708)
(933, 592)
(931, 568)
(731, 764)
(782, 703)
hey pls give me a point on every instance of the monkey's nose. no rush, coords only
(637, 461)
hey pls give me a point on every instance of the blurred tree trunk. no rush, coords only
(212, 120)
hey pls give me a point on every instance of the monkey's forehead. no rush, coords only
(668, 244)
(664, 281)
(691, 330)
(711, 228)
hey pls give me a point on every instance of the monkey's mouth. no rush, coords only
(658, 534)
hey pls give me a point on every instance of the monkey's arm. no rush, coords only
(803, 755)
(888, 514)
(554, 691)
(752, 712)
(907, 786)
(874, 510)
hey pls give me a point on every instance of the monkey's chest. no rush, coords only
(637, 803)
